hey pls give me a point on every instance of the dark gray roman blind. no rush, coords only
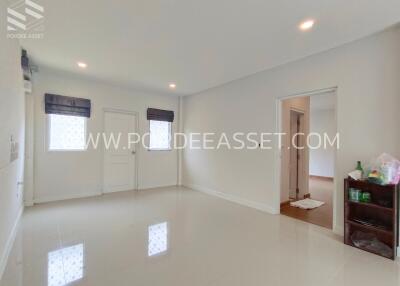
(65, 105)
(160, 115)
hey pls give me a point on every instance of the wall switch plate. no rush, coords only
(20, 188)
(14, 150)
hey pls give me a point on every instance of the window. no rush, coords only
(66, 133)
(160, 135)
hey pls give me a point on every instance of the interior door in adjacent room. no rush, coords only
(119, 158)
(296, 160)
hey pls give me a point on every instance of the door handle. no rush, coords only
(133, 152)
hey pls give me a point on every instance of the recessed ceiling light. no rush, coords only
(82, 65)
(172, 85)
(306, 25)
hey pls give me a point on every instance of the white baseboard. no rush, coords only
(156, 187)
(234, 199)
(10, 242)
(49, 199)
(28, 203)
(339, 230)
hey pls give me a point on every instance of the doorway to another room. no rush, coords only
(307, 172)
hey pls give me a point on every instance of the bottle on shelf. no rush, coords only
(360, 168)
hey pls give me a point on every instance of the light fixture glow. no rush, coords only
(306, 25)
(172, 85)
(82, 65)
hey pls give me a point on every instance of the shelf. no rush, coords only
(365, 185)
(370, 250)
(371, 228)
(370, 205)
(372, 212)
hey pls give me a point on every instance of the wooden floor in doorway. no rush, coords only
(321, 190)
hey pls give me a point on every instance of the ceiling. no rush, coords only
(198, 44)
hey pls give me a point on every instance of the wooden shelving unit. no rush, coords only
(385, 224)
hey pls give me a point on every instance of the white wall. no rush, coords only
(60, 175)
(366, 73)
(322, 160)
(11, 124)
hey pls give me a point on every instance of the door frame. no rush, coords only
(302, 113)
(278, 153)
(136, 172)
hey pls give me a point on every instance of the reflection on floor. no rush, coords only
(320, 190)
(158, 239)
(178, 237)
(65, 265)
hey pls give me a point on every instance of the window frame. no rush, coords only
(48, 135)
(170, 137)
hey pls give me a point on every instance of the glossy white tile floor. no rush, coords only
(175, 236)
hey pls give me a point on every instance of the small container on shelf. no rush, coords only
(366, 197)
(355, 195)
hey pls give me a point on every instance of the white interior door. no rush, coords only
(119, 159)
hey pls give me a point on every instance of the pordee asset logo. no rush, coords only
(25, 19)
